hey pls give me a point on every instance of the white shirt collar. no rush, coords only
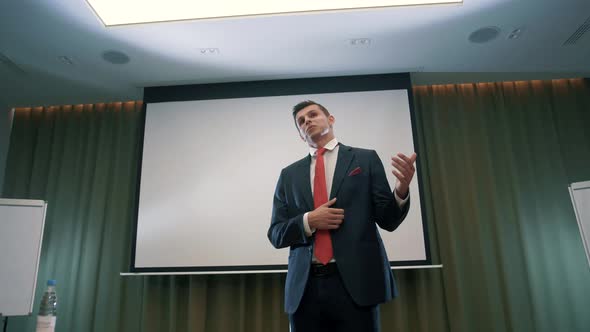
(329, 146)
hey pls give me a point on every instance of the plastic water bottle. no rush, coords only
(48, 309)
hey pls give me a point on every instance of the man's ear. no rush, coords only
(331, 120)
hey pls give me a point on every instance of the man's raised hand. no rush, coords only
(404, 172)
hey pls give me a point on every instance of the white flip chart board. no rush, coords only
(21, 233)
(580, 195)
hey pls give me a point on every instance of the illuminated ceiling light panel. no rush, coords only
(119, 12)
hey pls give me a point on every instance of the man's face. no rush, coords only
(313, 123)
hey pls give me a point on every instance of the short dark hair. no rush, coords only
(303, 105)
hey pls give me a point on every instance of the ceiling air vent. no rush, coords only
(5, 62)
(573, 39)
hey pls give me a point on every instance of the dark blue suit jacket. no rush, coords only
(367, 200)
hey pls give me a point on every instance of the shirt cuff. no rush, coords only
(308, 231)
(401, 202)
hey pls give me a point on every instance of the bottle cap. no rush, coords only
(51, 282)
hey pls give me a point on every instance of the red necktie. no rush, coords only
(323, 243)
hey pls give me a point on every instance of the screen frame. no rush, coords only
(267, 88)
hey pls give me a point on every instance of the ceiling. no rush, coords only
(427, 39)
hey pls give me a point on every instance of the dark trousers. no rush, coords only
(326, 306)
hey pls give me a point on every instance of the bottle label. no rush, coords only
(46, 323)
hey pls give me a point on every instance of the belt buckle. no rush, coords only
(320, 270)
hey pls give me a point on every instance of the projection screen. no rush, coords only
(209, 168)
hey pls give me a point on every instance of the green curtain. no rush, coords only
(83, 160)
(497, 159)
(495, 162)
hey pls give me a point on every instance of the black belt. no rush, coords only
(320, 270)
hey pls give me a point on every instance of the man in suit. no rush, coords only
(326, 208)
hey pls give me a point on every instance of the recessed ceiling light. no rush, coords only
(118, 12)
(115, 57)
(484, 35)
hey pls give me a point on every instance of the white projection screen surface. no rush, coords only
(210, 167)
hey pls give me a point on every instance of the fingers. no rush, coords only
(330, 224)
(329, 213)
(401, 165)
(335, 217)
(399, 176)
(331, 218)
(330, 202)
(405, 161)
(402, 169)
(410, 160)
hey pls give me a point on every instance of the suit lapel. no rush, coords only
(345, 157)
(304, 182)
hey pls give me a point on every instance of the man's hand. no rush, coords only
(404, 172)
(325, 217)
